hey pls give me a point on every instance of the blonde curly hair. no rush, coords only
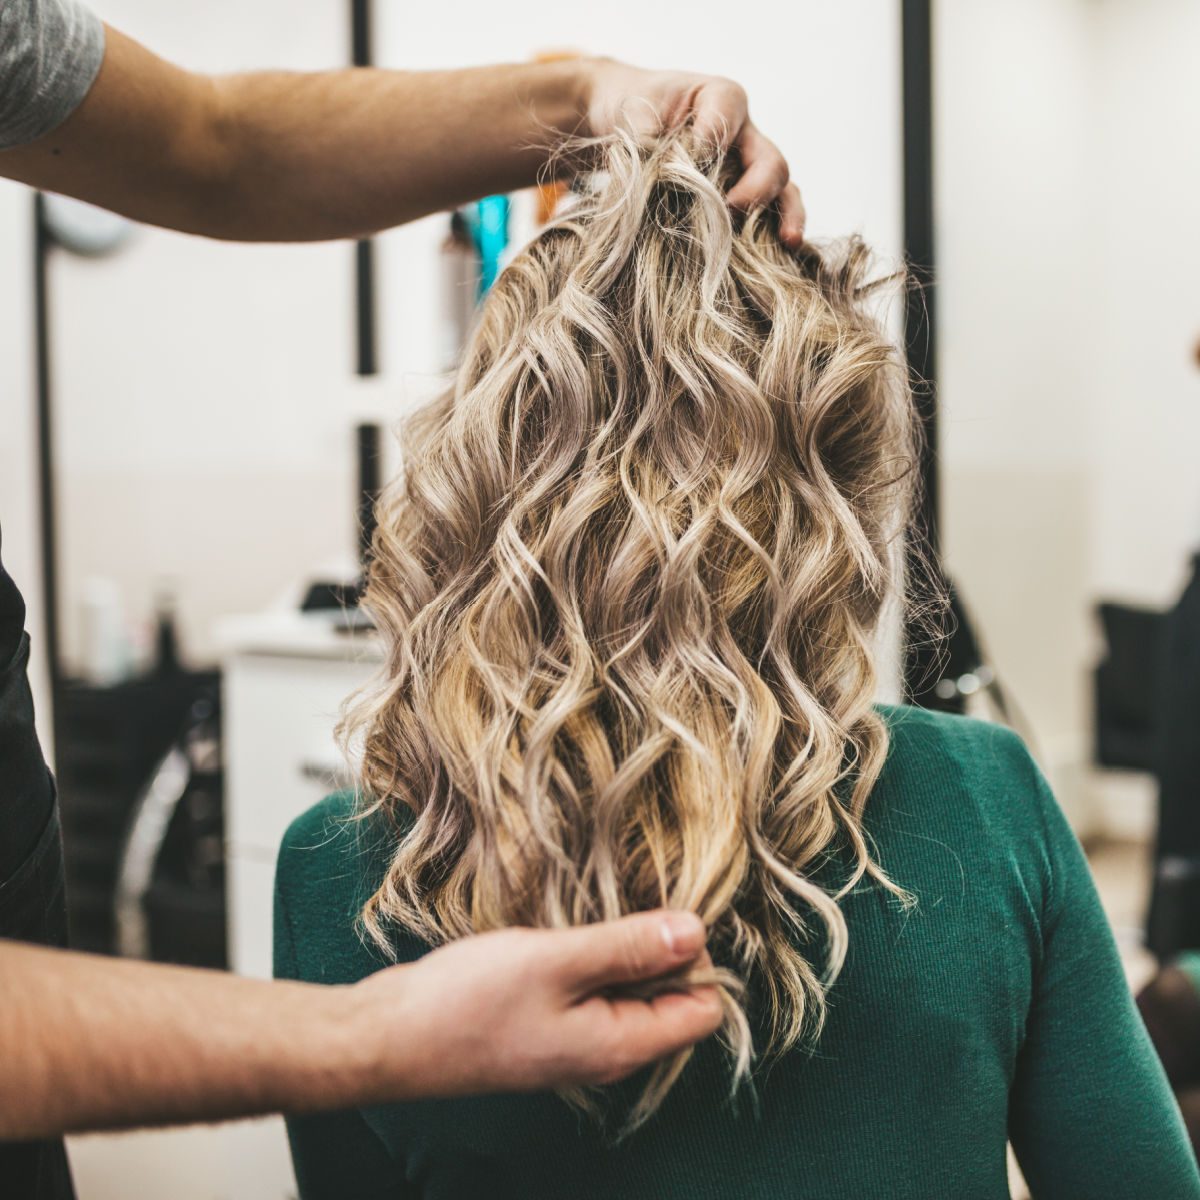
(627, 583)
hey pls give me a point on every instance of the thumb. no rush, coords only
(634, 948)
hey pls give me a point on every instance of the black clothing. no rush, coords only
(32, 897)
(1174, 921)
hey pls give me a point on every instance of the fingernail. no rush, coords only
(684, 934)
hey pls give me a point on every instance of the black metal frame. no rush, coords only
(929, 654)
(367, 358)
(42, 244)
(920, 326)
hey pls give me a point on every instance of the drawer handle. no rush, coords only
(332, 775)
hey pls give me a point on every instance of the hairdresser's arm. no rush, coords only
(276, 156)
(89, 1042)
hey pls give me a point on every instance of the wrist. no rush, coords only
(376, 1042)
(558, 96)
(337, 1063)
(587, 74)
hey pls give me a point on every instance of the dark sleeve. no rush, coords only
(26, 791)
(336, 1155)
(1091, 1115)
(32, 901)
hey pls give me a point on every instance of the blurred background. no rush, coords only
(213, 414)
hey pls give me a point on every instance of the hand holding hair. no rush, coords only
(653, 101)
(525, 1009)
(89, 1042)
(305, 156)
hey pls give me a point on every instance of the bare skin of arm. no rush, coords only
(290, 156)
(95, 1043)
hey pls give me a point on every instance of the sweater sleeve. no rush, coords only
(335, 1154)
(1091, 1115)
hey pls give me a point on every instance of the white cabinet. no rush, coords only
(286, 676)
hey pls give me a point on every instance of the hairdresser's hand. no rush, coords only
(521, 1009)
(656, 100)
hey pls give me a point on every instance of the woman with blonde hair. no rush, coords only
(628, 585)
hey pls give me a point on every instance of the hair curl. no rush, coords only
(627, 584)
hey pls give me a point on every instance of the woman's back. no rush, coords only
(994, 1009)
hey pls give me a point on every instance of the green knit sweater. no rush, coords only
(997, 1009)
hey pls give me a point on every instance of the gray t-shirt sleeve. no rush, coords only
(50, 54)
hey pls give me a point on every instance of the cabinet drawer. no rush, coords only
(281, 756)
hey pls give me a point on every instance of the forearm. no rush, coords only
(352, 152)
(278, 156)
(90, 1043)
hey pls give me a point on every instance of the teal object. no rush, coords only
(487, 220)
(1189, 963)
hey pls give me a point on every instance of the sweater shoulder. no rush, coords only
(945, 746)
(322, 848)
(964, 773)
(330, 861)
(323, 827)
(337, 847)
(971, 787)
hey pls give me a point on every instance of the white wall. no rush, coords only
(1013, 115)
(1067, 185)
(1146, 486)
(205, 391)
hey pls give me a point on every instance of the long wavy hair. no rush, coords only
(627, 585)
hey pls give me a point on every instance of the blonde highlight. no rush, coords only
(627, 584)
